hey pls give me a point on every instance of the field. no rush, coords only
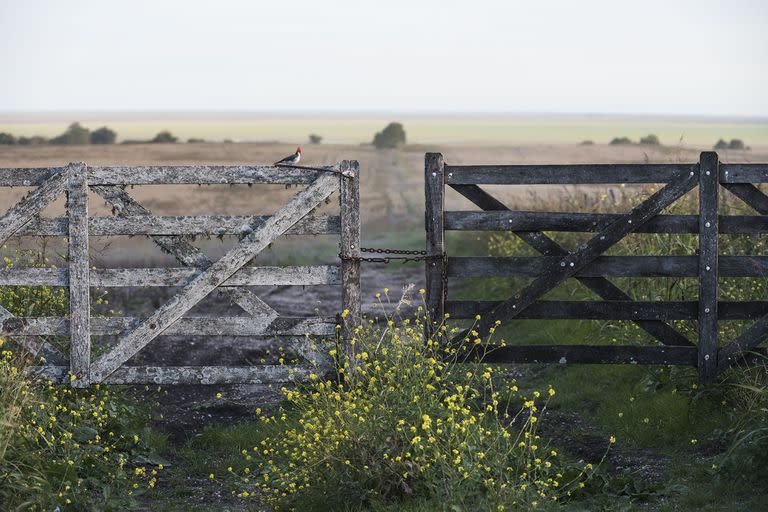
(463, 130)
(673, 440)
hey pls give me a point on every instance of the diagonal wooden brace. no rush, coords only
(758, 332)
(548, 247)
(209, 279)
(749, 339)
(186, 253)
(573, 262)
(13, 220)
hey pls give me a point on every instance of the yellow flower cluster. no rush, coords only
(405, 418)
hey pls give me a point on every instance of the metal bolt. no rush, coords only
(434, 174)
(571, 263)
(707, 173)
(691, 173)
(562, 263)
(450, 175)
(706, 357)
(707, 224)
(352, 246)
(706, 310)
(629, 221)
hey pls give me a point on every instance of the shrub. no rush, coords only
(406, 425)
(587, 143)
(194, 140)
(164, 137)
(621, 140)
(390, 137)
(7, 138)
(103, 135)
(64, 448)
(75, 134)
(721, 144)
(650, 140)
(34, 140)
(736, 144)
(315, 138)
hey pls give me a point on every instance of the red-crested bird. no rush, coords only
(292, 159)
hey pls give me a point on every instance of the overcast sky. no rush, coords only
(705, 57)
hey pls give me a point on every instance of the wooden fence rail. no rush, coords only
(588, 264)
(195, 279)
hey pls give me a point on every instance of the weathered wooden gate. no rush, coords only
(588, 265)
(198, 277)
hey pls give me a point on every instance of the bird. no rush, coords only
(291, 159)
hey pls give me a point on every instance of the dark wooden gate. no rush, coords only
(591, 268)
(196, 278)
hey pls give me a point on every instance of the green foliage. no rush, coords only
(315, 138)
(32, 141)
(103, 135)
(621, 140)
(650, 140)
(407, 423)
(195, 140)
(60, 447)
(75, 134)
(7, 139)
(390, 137)
(736, 144)
(164, 137)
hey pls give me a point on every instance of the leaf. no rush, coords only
(152, 459)
(84, 434)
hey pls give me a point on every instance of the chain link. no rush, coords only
(403, 255)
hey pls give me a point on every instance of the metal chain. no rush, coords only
(404, 255)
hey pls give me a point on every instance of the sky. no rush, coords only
(700, 58)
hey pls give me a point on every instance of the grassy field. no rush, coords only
(455, 130)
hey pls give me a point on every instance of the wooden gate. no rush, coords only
(591, 268)
(197, 277)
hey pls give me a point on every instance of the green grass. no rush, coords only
(423, 130)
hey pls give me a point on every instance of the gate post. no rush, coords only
(349, 210)
(709, 179)
(79, 287)
(434, 193)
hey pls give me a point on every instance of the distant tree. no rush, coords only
(33, 140)
(194, 140)
(103, 135)
(736, 144)
(390, 137)
(164, 137)
(7, 138)
(650, 140)
(75, 134)
(315, 138)
(587, 143)
(721, 144)
(621, 140)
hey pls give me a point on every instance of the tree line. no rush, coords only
(77, 134)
